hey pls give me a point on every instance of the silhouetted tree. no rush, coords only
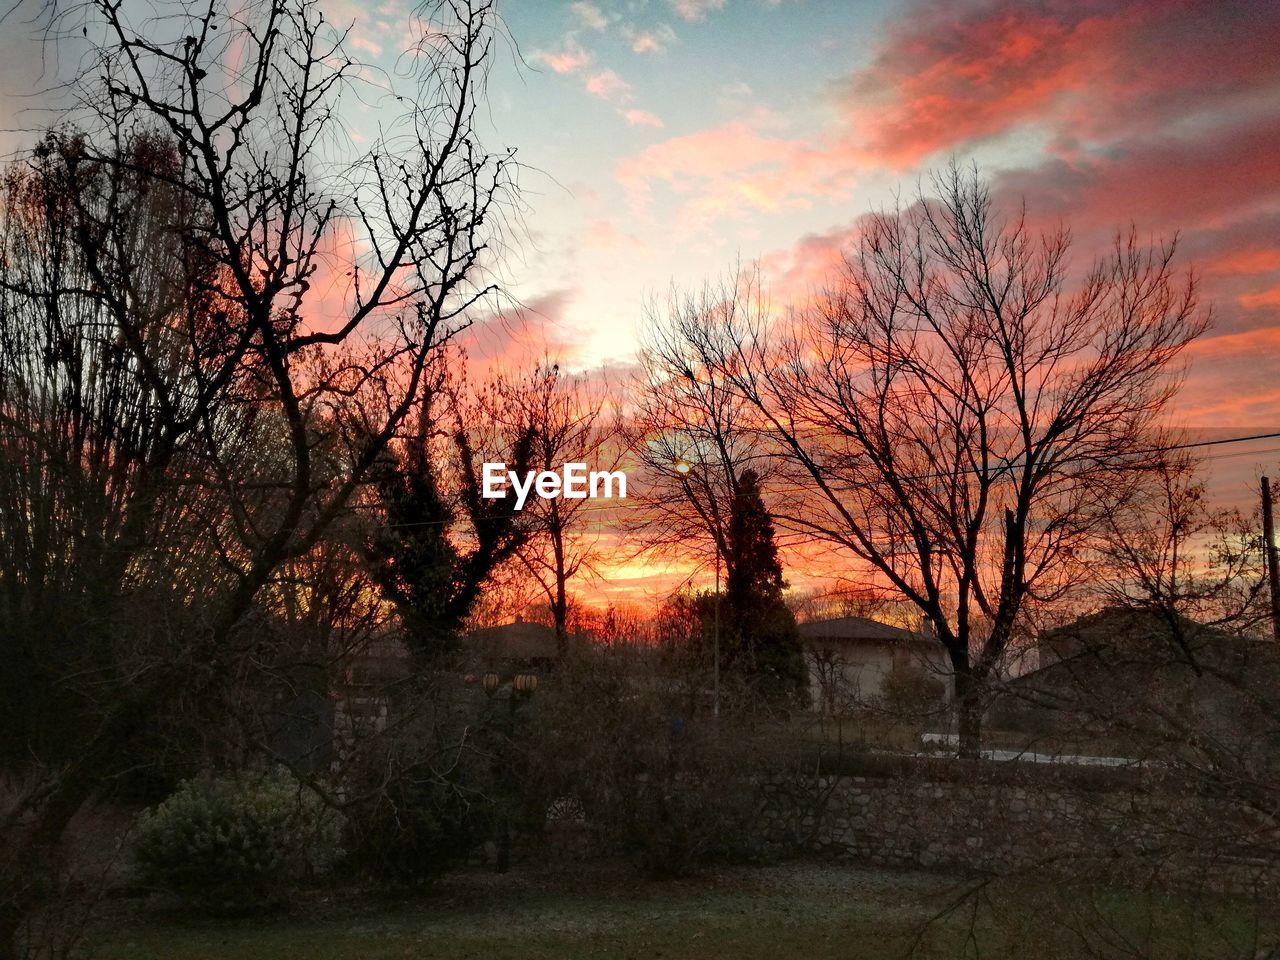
(414, 554)
(960, 410)
(230, 415)
(763, 641)
(569, 422)
(688, 414)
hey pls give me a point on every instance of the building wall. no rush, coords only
(1141, 829)
(1102, 824)
(844, 676)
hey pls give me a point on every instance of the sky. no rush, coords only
(679, 137)
(666, 141)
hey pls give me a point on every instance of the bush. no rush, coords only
(660, 781)
(235, 845)
(427, 788)
(912, 692)
(417, 826)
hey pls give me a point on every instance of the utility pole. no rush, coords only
(684, 468)
(1272, 554)
(715, 705)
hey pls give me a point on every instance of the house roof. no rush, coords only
(1130, 670)
(1110, 621)
(1122, 625)
(520, 640)
(860, 630)
(1149, 637)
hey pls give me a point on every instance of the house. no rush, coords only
(856, 662)
(1139, 680)
(521, 643)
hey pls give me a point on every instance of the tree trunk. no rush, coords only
(968, 713)
(30, 840)
(10, 924)
(27, 841)
(560, 606)
(560, 612)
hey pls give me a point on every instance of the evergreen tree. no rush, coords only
(412, 557)
(760, 639)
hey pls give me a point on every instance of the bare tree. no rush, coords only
(570, 421)
(1176, 672)
(1168, 549)
(263, 408)
(691, 431)
(962, 410)
(1190, 579)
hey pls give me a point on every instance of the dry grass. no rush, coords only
(807, 911)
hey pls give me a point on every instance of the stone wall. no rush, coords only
(1133, 827)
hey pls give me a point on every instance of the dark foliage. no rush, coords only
(413, 557)
(759, 635)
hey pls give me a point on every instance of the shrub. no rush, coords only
(236, 845)
(426, 789)
(660, 781)
(912, 692)
(417, 826)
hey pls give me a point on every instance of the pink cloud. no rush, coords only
(952, 73)
(642, 118)
(805, 267)
(604, 234)
(1163, 182)
(695, 9)
(607, 85)
(524, 334)
(734, 168)
(654, 40)
(569, 60)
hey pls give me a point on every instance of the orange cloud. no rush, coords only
(1232, 381)
(1267, 298)
(1087, 71)
(1252, 260)
(523, 335)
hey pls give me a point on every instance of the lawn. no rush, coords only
(806, 911)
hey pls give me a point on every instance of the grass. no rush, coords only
(806, 911)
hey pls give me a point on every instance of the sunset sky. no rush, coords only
(666, 140)
(675, 137)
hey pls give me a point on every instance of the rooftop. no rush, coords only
(860, 630)
(519, 640)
